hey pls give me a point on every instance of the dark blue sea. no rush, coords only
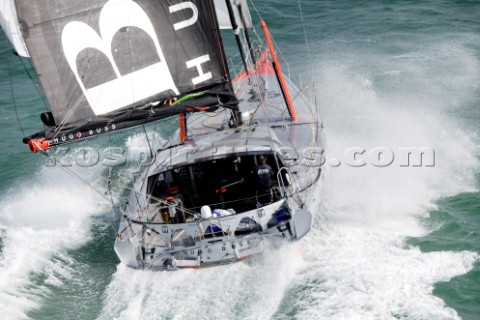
(389, 241)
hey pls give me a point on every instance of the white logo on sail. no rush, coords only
(182, 6)
(198, 64)
(126, 89)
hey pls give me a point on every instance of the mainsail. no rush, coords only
(9, 23)
(9, 20)
(108, 65)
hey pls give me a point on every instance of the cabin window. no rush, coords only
(247, 226)
(213, 231)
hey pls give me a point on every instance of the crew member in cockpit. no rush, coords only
(264, 174)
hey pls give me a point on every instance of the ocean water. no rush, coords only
(393, 242)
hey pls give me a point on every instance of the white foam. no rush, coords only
(42, 219)
(237, 291)
(358, 265)
(138, 145)
(234, 291)
(363, 272)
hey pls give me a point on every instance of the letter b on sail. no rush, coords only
(125, 89)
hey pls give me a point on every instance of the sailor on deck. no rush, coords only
(264, 174)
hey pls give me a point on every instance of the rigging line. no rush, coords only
(169, 121)
(68, 116)
(313, 94)
(148, 141)
(313, 89)
(123, 185)
(35, 83)
(70, 112)
(278, 51)
(213, 115)
(166, 202)
(114, 208)
(74, 175)
(227, 202)
(257, 78)
(214, 126)
(316, 128)
(32, 52)
(13, 96)
(98, 176)
(109, 181)
(260, 17)
(256, 11)
(80, 98)
(306, 39)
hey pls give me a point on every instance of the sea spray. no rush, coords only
(359, 264)
(41, 222)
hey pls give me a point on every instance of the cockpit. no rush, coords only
(227, 185)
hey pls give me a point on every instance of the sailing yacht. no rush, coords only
(242, 173)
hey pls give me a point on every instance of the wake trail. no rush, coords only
(42, 219)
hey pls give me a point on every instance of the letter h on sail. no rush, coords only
(125, 89)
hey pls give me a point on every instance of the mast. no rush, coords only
(245, 32)
(236, 114)
(236, 31)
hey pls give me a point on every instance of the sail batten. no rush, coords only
(98, 58)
